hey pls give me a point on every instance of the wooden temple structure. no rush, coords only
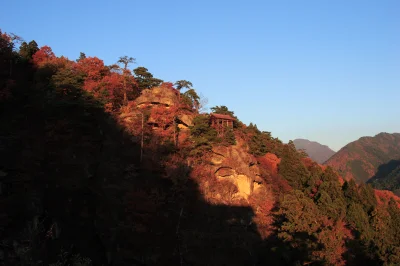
(221, 122)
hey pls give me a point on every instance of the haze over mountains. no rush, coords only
(368, 157)
(316, 151)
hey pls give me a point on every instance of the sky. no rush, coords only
(327, 71)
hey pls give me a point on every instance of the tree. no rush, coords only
(125, 61)
(292, 168)
(67, 81)
(308, 234)
(145, 79)
(43, 56)
(81, 57)
(193, 99)
(202, 135)
(93, 68)
(229, 137)
(24, 50)
(222, 110)
(180, 84)
(28, 50)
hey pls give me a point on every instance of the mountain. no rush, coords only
(366, 157)
(316, 151)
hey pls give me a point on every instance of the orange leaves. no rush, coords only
(383, 197)
(91, 85)
(113, 82)
(163, 116)
(43, 56)
(270, 162)
(93, 67)
(167, 85)
(263, 201)
(332, 237)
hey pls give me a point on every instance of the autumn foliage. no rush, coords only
(138, 188)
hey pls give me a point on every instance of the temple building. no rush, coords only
(221, 122)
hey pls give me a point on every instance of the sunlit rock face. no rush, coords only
(185, 120)
(157, 95)
(164, 105)
(234, 164)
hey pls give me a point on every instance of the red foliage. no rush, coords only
(168, 85)
(43, 56)
(91, 86)
(270, 162)
(6, 39)
(161, 116)
(383, 197)
(6, 44)
(262, 203)
(93, 67)
(308, 162)
(341, 180)
(113, 83)
(333, 240)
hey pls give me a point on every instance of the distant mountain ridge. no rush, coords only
(316, 151)
(364, 158)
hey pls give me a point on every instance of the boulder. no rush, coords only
(157, 95)
(186, 119)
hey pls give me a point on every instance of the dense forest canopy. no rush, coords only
(104, 165)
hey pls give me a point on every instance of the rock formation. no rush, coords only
(237, 166)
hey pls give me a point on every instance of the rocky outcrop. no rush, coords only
(236, 165)
(186, 120)
(162, 97)
(158, 95)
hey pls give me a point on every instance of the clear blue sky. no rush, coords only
(328, 71)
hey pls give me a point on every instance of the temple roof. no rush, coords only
(226, 117)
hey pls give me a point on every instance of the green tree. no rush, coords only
(229, 137)
(222, 110)
(367, 196)
(307, 233)
(145, 79)
(192, 98)
(24, 50)
(28, 50)
(202, 135)
(292, 168)
(180, 84)
(81, 56)
(358, 219)
(68, 81)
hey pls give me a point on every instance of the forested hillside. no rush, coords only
(101, 165)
